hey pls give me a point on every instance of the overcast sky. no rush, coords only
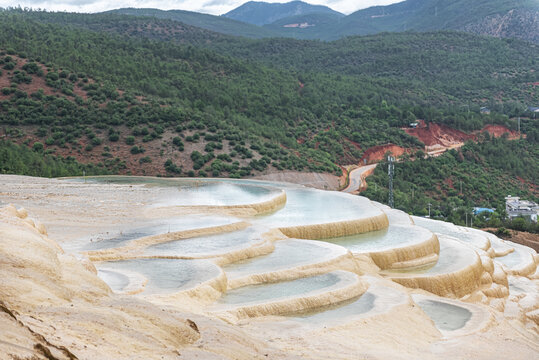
(215, 7)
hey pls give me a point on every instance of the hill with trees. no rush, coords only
(121, 94)
(262, 13)
(517, 19)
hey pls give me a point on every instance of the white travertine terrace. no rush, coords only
(293, 272)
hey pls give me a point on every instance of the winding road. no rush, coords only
(357, 178)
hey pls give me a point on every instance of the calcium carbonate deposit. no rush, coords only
(149, 268)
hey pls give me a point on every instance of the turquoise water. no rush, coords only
(116, 281)
(206, 245)
(453, 256)
(449, 229)
(339, 312)
(192, 192)
(274, 291)
(287, 254)
(309, 206)
(393, 237)
(189, 222)
(510, 260)
(165, 275)
(446, 316)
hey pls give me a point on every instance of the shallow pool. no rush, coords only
(188, 222)
(115, 280)
(394, 236)
(453, 256)
(447, 317)
(281, 290)
(339, 312)
(287, 254)
(206, 245)
(193, 192)
(164, 275)
(310, 206)
(462, 234)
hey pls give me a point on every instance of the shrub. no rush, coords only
(38, 147)
(137, 150)
(130, 140)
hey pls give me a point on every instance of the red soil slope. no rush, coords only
(439, 134)
(376, 153)
(499, 130)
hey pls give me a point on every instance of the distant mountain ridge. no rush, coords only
(218, 24)
(262, 13)
(498, 18)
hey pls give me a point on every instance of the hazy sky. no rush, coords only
(215, 7)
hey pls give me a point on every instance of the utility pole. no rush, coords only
(429, 209)
(391, 173)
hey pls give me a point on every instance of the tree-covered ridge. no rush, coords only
(218, 24)
(62, 112)
(479, 174)
(436, 67)
(261, 13)
(498, 18)
(221, 106)
(19, 159)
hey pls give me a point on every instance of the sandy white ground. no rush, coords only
(53, 304)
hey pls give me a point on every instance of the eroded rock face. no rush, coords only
(53, 304)
(516, 23)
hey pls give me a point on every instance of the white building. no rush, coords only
(516, 207)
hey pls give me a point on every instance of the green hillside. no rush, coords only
(218, 24)
(497, 18)
(262, 13)
(141, 95)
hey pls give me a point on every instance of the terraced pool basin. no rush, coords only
(446, 317)
(188, 222)
(198, 192)
(164, 275)
(462, 234)
(453, 256)
(255, 294)
(211, 245)
(310, 206)
(395, 236)
(287, 254)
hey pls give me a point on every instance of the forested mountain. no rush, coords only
(262, 13)
(511, 18)
(498, 18)
(151, 96)
(218, 24)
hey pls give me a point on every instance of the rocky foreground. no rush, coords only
(53, 305)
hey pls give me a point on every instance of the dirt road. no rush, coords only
(357, 178)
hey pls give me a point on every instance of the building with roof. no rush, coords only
(516, 207)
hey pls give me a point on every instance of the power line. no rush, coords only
(391, 173)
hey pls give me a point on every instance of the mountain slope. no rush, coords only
(500, 18)
(261, 13)
(218, 24)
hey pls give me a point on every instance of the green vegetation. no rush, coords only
(477, 175)
(19, 159)
(176, 100)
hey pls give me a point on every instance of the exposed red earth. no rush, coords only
(377, 153)
(500, 130)
(439, 137)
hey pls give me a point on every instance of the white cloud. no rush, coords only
(215, 7)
